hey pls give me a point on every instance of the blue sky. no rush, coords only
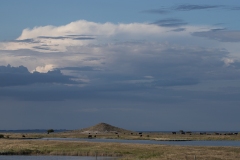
(141, 65)
(18, 15)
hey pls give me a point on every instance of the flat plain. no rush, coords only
(28, 144)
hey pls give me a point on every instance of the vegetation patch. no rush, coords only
(123, 151)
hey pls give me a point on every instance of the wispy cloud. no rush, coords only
(44, 48)
(170, 22)
(179, 30)
(176, 82)
(190, 7)
(156, 11)
(73, 37)
(221, 35)
(25, 41)
(84, 68)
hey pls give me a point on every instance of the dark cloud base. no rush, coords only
(15, 76)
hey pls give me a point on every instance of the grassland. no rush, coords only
(134, 135)
(123, 151)
(15, 143)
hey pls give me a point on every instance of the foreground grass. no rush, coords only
(124, 151)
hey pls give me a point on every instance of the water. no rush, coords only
(181, 143)
(54, 158)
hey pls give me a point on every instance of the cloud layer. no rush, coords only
(220, 35)
(190, 7)
(166, 71)
(168, 68)
(100, 53)
(170, 22)
(16, 76)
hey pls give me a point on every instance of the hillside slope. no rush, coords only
(103, 128)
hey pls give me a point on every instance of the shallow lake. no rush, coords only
(181, 143)
(54, 158)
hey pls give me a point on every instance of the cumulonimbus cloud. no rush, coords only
(82, 33)
(120, 55)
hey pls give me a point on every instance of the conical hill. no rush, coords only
(103, 128)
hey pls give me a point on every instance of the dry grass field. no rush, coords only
(121, 150)
(134, 135)
(27, 144)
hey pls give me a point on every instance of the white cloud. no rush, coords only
(45, 69)
(82, 33)
(228, 61)
(141, 51)
(83, 27)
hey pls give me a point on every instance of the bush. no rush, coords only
(1, 136)
(89, 136)
(50, 131)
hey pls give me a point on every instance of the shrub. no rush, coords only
(50, 131)
(89, 136)
(1, 136)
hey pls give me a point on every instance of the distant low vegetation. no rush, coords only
(50, 131)
(1, 136)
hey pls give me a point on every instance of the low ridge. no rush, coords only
(103, 127)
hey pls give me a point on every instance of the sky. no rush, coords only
(145, 65)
